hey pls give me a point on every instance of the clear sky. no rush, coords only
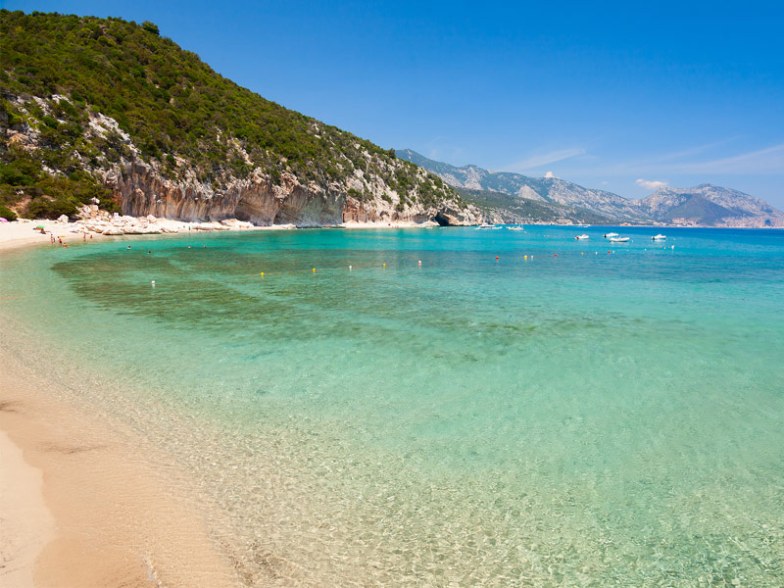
(612, 95)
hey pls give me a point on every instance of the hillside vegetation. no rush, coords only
(60, 73)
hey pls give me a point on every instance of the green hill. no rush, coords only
(86, 101)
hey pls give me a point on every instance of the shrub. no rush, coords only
(7, 213)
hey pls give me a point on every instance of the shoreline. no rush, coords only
(81, 503)
(96, 506)
(22, 233)
(80, 474)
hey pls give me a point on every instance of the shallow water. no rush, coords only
(593, 415)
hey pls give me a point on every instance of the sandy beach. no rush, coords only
(81, 505)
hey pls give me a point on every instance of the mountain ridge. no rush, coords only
(701, 205)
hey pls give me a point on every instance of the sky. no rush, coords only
(621, 96)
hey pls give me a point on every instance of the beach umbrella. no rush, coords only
(38, 228)
(3, 220)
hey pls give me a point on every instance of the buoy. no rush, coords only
(261, 274)
(385, 265)
(152, 283)
(419, 263)
(313, 270)
(350, 268)
(525, 257)
(496, 258)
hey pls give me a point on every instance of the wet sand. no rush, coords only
(85, 502)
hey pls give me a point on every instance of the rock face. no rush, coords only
(144, 191)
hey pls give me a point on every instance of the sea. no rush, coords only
(441, 406)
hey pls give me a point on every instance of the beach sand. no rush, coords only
(18, 234)
(81, 504)
(85, 502)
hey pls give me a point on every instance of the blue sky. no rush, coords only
(612, 95)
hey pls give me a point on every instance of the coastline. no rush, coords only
(22, 233)
(57, 416)
(83, 501)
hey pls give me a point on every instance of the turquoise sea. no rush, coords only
(594, 414)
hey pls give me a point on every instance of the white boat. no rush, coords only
(485, 227)
(659, 237)
(619, 239)
(515, 228)
(610, 235)
(582, 237)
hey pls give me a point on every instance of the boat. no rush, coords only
(582, 237)
(515, 228)
(485, 227)
(610, 235)
(619, 239)
(659, 237)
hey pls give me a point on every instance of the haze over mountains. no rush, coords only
(513, 197)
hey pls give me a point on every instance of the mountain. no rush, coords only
(105, 109)
(708, 205)
(512, 197)
(568, 201)
(498, 207)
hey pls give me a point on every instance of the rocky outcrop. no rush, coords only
(94, 220)
(144, 191)
(450, 216)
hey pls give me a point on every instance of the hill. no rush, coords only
(110, 110)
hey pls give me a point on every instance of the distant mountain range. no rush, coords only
(512, 197)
